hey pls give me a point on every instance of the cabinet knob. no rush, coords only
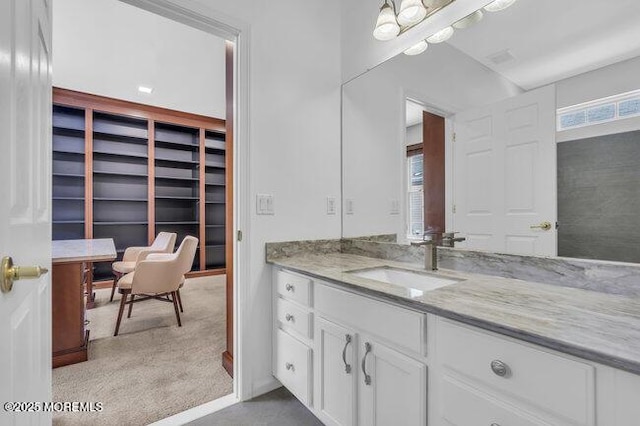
(289, 287)
(288, 317)
(500, 368)
(289, 366)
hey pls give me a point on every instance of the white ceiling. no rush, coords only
(554, 39)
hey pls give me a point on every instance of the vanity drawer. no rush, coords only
(556, 384)
(293, 366)
(466, 406)
(294, 287)
(293, 317)
(394, 324)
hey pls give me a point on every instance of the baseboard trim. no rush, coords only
(227, 363)
(265, 386)
(198, 412)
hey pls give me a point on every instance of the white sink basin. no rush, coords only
(404, 278)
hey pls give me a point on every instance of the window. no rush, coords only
(599, 111)
(415, 196)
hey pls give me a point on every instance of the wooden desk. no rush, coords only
(71, 261)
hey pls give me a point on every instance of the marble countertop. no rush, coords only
(71, 251)
(600, 327)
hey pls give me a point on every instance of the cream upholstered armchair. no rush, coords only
(159, 276)
(165, 242)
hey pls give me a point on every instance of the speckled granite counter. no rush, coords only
(596, 326)
(72, 251)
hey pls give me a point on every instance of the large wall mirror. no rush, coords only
(521, 133)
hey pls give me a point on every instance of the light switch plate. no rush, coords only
(394, 207)
(264, 204)
(348, 206)
(331, 205)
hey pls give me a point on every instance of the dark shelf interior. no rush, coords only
(68, 173)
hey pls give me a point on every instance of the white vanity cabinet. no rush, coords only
(369, 365)
(357, 361)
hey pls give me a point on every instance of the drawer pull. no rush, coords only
(347, 367)
(289, 317)
(500, 368)
(289, 366)
(289, 287)
(367, 378)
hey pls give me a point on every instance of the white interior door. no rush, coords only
(25, 209)
(505, 175)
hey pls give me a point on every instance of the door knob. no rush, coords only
(545, 226)
(10, 273)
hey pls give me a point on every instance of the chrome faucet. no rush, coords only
(430, 244)
(449, 239)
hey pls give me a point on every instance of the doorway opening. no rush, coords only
(425, 171)
(143, 145)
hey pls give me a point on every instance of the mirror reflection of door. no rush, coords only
(425, 137)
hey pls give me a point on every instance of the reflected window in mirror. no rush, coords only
(415, 189)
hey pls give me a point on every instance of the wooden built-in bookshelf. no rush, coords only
(127, 171)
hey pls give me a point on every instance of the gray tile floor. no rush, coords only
(277, 408)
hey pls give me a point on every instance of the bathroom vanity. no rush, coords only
(476, 350)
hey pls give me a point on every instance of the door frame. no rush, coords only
(447, 113)
(228, 28)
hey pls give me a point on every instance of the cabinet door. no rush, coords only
(335, 372)
(392, 388)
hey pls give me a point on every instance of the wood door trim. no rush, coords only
(133, 109)
(433, 148)
(227, 356)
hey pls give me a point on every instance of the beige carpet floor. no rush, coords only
(153, 368)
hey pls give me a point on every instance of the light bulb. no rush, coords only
(441, 36)
(417, 48)
(387, 27)
(469, 20)
(498, 5)
(411, 12)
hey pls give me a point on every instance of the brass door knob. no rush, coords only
(10, 273)
(545, 226)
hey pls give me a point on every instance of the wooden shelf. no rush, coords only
(67, 152)
(176, 145)
(177, 164)
(136, 175)
(215, 165)
(67, 198)
(120, 155)
(69, 175)
(177, 178)
(124, 200)
(178, 198)
(67, 222)
(178, 223)
(120, 223)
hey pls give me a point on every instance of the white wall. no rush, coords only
(109, 48)
(294, 110)
(414, 134)
(374, 126)
(361, 52)
(607, 81)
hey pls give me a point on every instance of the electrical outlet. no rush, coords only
(264, 204)
(331, 205)
(394, 207)
(348, 206)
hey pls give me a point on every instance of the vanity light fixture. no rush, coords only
(498, 5)
(387, 27)
(417, 48)
(411, 12)
(469, 20)
(145, 89)
(441, 36)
